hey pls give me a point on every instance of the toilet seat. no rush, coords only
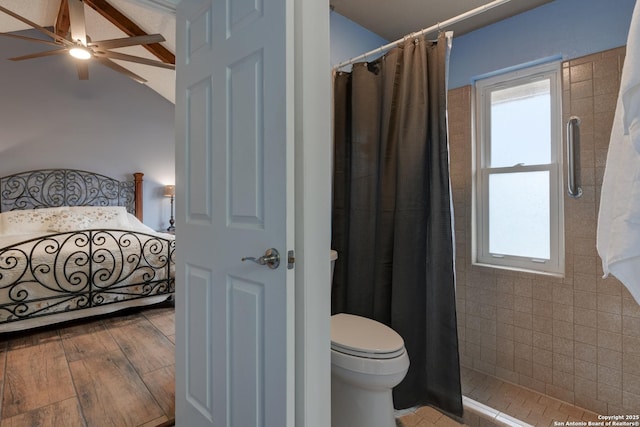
(362, 337)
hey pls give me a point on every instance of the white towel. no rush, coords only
(619, 218)
(630, 83)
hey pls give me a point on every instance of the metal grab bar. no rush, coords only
(573, 154)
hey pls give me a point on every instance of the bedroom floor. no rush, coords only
(115, 371)
(119, 371)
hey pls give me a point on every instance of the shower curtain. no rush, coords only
(392, 216)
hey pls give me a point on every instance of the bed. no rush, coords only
(72, 245)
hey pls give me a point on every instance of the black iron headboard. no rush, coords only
(69, 187)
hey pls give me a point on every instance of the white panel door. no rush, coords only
(234, 319)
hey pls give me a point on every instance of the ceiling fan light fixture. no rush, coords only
(80, 52)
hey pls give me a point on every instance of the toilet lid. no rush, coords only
(364, 337)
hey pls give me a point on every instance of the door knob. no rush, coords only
(271, 258)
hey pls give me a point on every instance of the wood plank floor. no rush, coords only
(112, 371)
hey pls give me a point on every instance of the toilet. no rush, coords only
(368, 359)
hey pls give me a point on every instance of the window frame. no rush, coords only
(481, 172)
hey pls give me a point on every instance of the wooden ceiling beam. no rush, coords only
(130, 28)
(62, 21)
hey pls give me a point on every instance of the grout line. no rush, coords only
(4, 376)
(487, 412)
(73, 381)
(398, 413)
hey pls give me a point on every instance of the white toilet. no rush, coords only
(368, 359)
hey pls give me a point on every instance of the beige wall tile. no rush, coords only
(631, 402)
(610, 303)
(523, 351)
(630, 344)
(543, 324)
(631, 326)
(585, 334)
(587, 371)
(609, 340)
(562, 329)
(563, 336)
(564, 380)
(609, 322)
(609, 394)
(631, 383)
(585, 317)
(608, 376)
(543, 357)
(631, 363)
(630, 307)
(542, 373)
(504, 330)
(523, 320)
(542, 341)
(581, 72)
(610, 358)
(524, 366)
(585, 352)
(582, 89)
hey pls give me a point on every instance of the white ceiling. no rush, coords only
(391, 19)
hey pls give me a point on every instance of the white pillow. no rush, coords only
(104, 216)
(69, 221)
(27, 221)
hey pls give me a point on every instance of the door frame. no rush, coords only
(313, 172)
(312, 189)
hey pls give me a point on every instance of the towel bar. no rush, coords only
(573, 154)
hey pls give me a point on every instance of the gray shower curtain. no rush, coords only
(392, 219)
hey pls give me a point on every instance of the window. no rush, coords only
(518, 215)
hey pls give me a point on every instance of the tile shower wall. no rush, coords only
(575, 338)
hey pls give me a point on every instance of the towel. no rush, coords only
(619, 216)
(630, 83)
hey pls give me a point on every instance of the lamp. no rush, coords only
(170, 191)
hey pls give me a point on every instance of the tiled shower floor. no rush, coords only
(518, 403)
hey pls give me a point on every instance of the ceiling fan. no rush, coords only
(79, 45)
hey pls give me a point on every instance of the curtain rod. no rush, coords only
(473, 12)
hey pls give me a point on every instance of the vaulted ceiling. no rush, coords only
(105, 19)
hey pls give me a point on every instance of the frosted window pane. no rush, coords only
(521, 125)
(519, 214)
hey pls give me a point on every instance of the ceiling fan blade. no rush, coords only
(83, 69)
(128, 41)
(108, 63)
(76, 19)
(34, 25)
(131, 58)
(39, 54)
(31, 39)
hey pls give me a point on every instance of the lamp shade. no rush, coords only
(169, 190)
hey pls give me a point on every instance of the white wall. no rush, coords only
(108, 124)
